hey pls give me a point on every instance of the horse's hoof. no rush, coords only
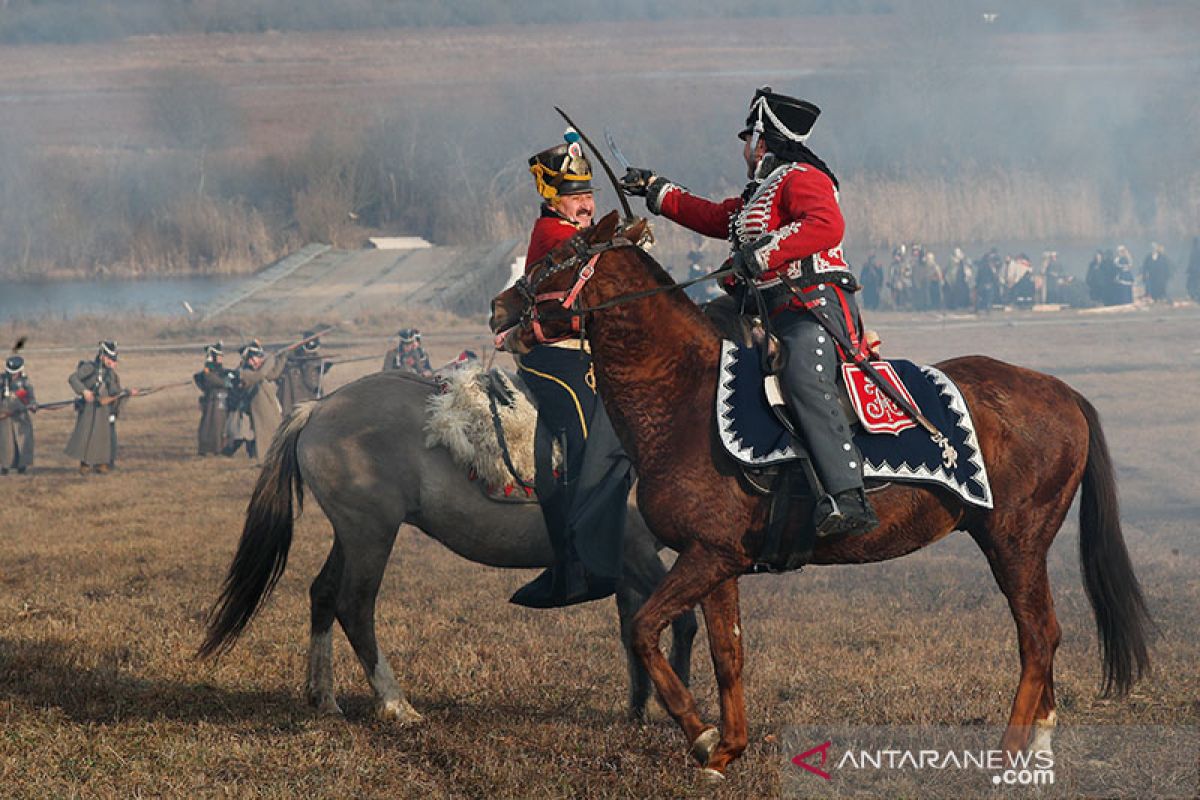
(704, 745)
(710, 775)
(325, 705)
(329, 708)
(398, 711)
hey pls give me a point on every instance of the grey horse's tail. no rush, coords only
(263, 550)
(1122, 620)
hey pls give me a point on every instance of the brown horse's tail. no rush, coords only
(266, 537)
(1122, 620)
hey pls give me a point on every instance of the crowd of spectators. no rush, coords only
(914, 280)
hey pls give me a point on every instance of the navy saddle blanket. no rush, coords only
(753, 436)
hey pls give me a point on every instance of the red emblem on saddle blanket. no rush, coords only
(876, 411)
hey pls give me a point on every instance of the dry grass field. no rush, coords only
(105, 581)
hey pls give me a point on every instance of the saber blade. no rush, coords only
(616, 151)
(600, 157)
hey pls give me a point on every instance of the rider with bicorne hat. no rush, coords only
(786, 228)
(584, 500)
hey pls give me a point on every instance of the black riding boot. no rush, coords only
(566, 582)
(848, 512)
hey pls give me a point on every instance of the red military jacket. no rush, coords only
(551, 230)
(795, 209)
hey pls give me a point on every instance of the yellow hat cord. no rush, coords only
(550, 191)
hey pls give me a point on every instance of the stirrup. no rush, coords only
(829, 522)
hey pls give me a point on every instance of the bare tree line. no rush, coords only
(947, 144)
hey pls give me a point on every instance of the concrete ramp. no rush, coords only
(321, 281)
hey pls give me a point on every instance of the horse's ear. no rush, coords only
(636, 230)
(604, 230)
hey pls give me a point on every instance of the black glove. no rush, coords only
(744, 259)
(636, 181)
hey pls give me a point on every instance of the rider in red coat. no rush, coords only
(788, 224)
(584, 501)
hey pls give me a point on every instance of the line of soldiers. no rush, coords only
(98, 399)
(234, 408)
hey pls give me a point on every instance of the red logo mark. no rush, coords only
(823, 749)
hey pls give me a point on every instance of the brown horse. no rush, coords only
(656, 360)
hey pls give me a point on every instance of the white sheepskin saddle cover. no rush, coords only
(460, 419)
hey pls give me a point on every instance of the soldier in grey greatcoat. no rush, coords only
(254, 411)
(408, 355)
(17, 405)
(98, 403)
(303, 374)
(214, 383)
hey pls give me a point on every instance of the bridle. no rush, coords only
(582, 260)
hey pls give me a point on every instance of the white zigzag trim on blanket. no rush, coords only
(733, 445)
(745, 454)
(941, 476)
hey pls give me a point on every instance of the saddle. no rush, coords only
(488, 423)
(754, 431)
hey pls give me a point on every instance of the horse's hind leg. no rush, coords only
(629, 600)
(1021, 574)
(367, 547)
(323, 596)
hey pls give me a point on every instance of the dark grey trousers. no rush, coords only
(810, 387)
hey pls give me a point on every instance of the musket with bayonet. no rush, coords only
(306, 340)
(102, 401)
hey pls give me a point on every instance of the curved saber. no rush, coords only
(600, 157)
(616, 151)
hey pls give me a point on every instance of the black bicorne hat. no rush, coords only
(408, 335)
(314, 344)
(562, 169)
(108, 348)
(214, 350)
(14, 364)
(777, 116)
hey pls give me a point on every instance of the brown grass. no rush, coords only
(104, 582)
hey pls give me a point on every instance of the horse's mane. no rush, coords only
(678, 299)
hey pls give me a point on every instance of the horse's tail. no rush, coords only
(266, 536)
(1122, 620)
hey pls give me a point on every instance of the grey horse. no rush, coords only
(361, 452)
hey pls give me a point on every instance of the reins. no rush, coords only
(585, 258)
(629, 298)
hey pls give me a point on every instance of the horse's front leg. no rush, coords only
(694, 574)
(722, 617)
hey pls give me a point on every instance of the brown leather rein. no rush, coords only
(583, 261)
